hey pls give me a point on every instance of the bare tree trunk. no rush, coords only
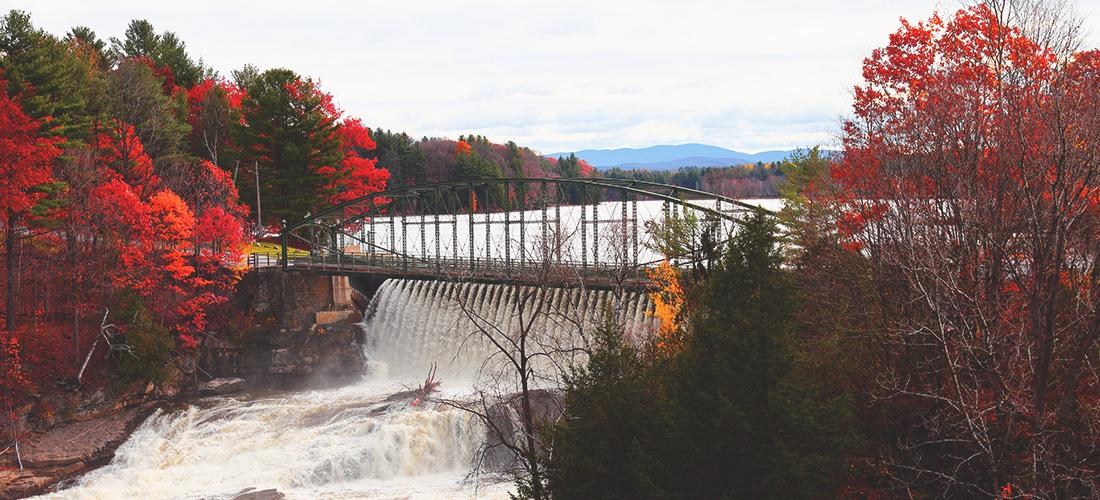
(73, 262)
(14, 434)
(533, 448)
(259, 211)
(9, 312)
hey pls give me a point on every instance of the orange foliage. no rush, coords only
(463, 148)
(668, 306)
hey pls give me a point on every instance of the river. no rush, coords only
(348, 442)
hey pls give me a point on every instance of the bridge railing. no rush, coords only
(506, 227)
(262, 260)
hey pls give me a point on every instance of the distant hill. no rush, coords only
(671, 157)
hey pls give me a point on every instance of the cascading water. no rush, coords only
(349, 442)
(412, 323)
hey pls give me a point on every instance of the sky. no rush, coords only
(555, 76)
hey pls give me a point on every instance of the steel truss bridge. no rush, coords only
(519, 230)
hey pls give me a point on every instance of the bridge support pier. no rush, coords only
(341, 291)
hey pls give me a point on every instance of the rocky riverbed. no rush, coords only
(301, 337)
(67, 450)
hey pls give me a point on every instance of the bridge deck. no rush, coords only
(498, 271)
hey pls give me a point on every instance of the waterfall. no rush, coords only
(349, 442)
(411, 324)
(319, 444)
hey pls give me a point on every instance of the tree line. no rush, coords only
(133, 176)
(123, 167)
(751, 180)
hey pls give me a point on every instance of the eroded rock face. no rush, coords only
(323, 352)
(15, 483)
(298, 336)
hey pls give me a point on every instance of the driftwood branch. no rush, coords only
(106, 331)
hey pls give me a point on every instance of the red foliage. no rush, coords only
(586, 168)
(164, 73)
(968, 184)
(355, 135)
(197, 94)
(122, 156)
(118, 217)
(357, 176)
(25, 158)
(13, 376)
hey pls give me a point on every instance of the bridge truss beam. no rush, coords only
(507, 229)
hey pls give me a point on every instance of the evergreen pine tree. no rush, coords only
(752, 427)
(142, 40)
(400, 154)
(48, 78)
(291, 137)
(616, 419)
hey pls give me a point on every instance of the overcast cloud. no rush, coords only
(748, 75)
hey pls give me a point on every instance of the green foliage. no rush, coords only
(736, 389)
(475, 139)
(604, 446)
(400, 154)
(473, 166)
(48, 79)
(290, 136)
(570, 166)
(142, 40)
(729, 417)
(246, 76)
(135, 95)
(46, 206)
(514, 159)
(806, 170)
(150, 345)
(86, 37)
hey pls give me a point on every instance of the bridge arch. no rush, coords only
(512, 229)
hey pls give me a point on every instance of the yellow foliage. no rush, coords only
(668, 304)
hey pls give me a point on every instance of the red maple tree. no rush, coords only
(969, 184)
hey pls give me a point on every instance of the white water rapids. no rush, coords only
(346, 442)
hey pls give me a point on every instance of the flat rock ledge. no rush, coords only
(221, 386)
(67, 450)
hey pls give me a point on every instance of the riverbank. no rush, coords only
(300, 331)
(68, 450)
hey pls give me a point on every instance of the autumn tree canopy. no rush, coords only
(971, 186)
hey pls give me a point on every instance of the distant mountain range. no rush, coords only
(671, 157)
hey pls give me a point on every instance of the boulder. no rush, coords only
(254, 494)
(222, 386)
(547, 407)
